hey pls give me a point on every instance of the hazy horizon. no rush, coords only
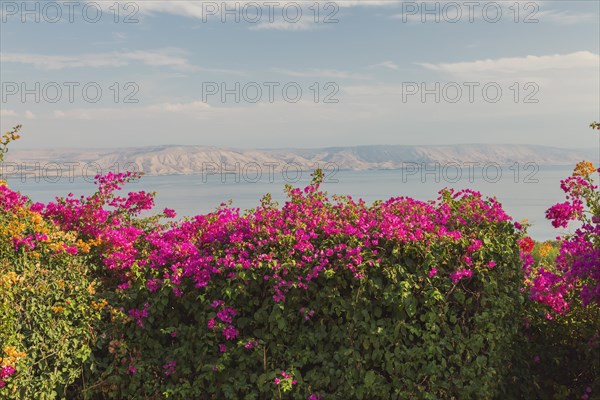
(18, 146)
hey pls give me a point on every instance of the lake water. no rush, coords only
(526, 193)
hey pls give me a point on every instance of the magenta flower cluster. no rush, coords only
(577, 266)
(5, 372)
(284, 376)
(226, 241)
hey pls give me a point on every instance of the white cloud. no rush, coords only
(283, 25)
(92, 114)
(119, 36)
(322, 73)
(171, 57)
(206, 9)
(29, 115)
(564, 17)
(192, 108)
(516, 65)
(267, 16)
(195, 109)
(385, 65)
(367, 3)
(191, 9)
(8, 113)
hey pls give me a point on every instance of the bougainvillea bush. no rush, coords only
(318, 298)
(561, 337)
(47, 300)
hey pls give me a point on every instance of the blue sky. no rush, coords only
(362, 79)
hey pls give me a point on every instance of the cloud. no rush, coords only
(516, 65)
(194, 109)
(119, 36)
(191, 108)
(190, 9)
(29, 115)
(206, 9)
(367, 3)
(8, 113)
(265, 16)
(564, 17)
(170, 57)
(322, 73)
(385, 65)
(283, 25)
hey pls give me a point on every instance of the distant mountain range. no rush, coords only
(169, 160)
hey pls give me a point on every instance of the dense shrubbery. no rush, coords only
(400, 299)
(319, 298)
(48, 307)
(561, 338)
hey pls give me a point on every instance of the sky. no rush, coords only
(276, 74)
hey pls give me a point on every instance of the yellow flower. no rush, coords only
(99, 305)
(57, 247)
(91, 289)
(9, 279)
(83, 246)
(94, 242)
(12, 356)
(70, 236)
(57, 309)
(36, 218)
(545, 249)
(584, 168)
(2, 182)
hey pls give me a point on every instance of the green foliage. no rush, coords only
(46, 312)
(8, 137)
(395, 333)
(559, 357)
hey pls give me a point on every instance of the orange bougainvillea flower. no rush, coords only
(12, 356)
(545, 249)
(584, 169)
